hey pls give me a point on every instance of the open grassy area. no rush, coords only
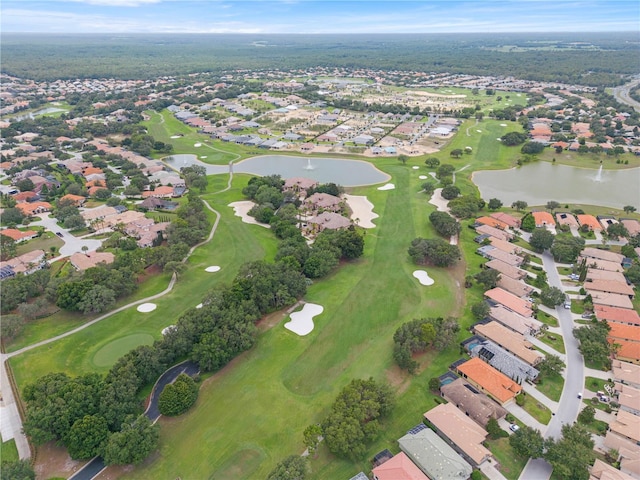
(510, 464)
(43, 242)
(551, 386)
(554, 341)
(546, 318)
(536, 409)
(590, 160)
(594, 384)
(9, 451)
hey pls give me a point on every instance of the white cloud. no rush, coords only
(117, 3)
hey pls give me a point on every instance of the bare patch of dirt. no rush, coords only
(54, 461)
(399, 379)
(149, 272)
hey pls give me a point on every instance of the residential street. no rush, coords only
(71, 244)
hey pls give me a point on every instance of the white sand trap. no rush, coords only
(203, 156)
(423, 177)
(168, 329)
(147, 307)
(503, 124)
(518, 95)
(479, 131)
(388, 186)
(197, 145)
(302, 321)
(241, 209)
(176, 136)
(433, 174)
(415, 167)
(362, 209)
(199, 306)
(212, 268)
(423, 277)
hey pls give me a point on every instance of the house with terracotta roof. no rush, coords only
(506, 247)
(610, 299)
(624, 316)
(510, 301)
(632, 226)
(517, 287)
(619, 331)
(33, 208)
(610, 286)
(510, 220)
(591, 221)
(160, 192)
(26, 264)
(493, 253)
(604, 471)
(101, 212)
(599, 254)
(489, 380)
(492, 222)
(472, 403)
(326, 220)
(595, 274)
(511, 341)
(628, 453)
(627, 351)
(320, 202)
(21, 197)
(601, 264)
(515, 322)
(627, 426)
(299, 185)
(628, 398)
(18, 235)
(494, 232)
(462, 433)
(434, 457)
(506, 269)
(400, 467)
(543, 219)
(82, 261)
(75, 200)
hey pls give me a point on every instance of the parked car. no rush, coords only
(513, 427)
(59, 234)
(579, 394)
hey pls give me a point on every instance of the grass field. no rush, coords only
(551, 386)
(554, 341)
(9, 451)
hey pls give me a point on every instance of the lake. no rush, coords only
(537, 183)
(348, 173)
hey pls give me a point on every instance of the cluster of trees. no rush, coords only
(178, 397)
(444, 223)
(593, 342)
(293, 467)
(354, 419)
(570, 456)
(433, 251)
(192, 225)
(466, 206)
(566, 248)
(195, 177)
(513, 138)
(420, 334)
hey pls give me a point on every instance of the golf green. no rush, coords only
(112, 351)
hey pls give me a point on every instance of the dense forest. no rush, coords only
(48, 57)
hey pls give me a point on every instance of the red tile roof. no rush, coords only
(496, 384)
(399, 467)
(618, 315)
(543, 218)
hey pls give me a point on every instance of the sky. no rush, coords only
(327, 16)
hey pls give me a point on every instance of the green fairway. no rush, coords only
(107, 355)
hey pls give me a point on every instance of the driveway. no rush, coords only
(71, 244)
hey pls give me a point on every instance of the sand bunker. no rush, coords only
(423, 277)
(479, 131)
(197, 145)
(198, 306)
(302, 321)
(423, 177)
(362, 210)
(241, 209)
(415, 167)
(212, 268)
(168, 329)
(176, 136)
(203, 156)
(388, 186)
(503, 124)
(147, 307)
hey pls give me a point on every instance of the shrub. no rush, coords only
(178, 397)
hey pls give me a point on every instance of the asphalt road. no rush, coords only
(96, 465)
(621, 94)
(569, 405)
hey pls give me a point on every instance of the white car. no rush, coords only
(513, 427)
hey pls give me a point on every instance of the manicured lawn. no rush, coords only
(43, 242)
(594, 384)
(551, 386)
(9, 451)
(536, 409)
(510, 464)
(554, 341)
(546, 318)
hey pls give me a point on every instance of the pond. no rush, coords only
(539, 182)
(348, 173)
(32, 115)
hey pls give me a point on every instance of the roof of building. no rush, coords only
(514, 321)
(618, 315)
(476, 405)
(503, 361)
(595, 274)
(23, 263)
(24, 196)
(624, 332)
(628, 450)
(17, 235)
(160, 191)
(461, 430)
(589, 220)
(493, 222)
(625, 372)
(627, 425)
(543, 218)
(632, 225)
(31, 208)
(629, 397)
(434, 457)
(400, 467)
(505, 246)
(83, 261)
(609, 299)
(323, 200)
(509, 300)
(491, 380)
(565, 218)
(331, 220)
(628, 350)
(609, 286)
(76, 199)
(508, 258)
(509, 340)
(517, 287)
(600, 254)
(506, 218)
(506, 269)
(494, 232)
(604, 471)
(602, 264)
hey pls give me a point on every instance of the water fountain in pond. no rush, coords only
(309, 166)
(599, 174)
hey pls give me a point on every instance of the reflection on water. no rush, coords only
(539, 182)
(348, 173)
